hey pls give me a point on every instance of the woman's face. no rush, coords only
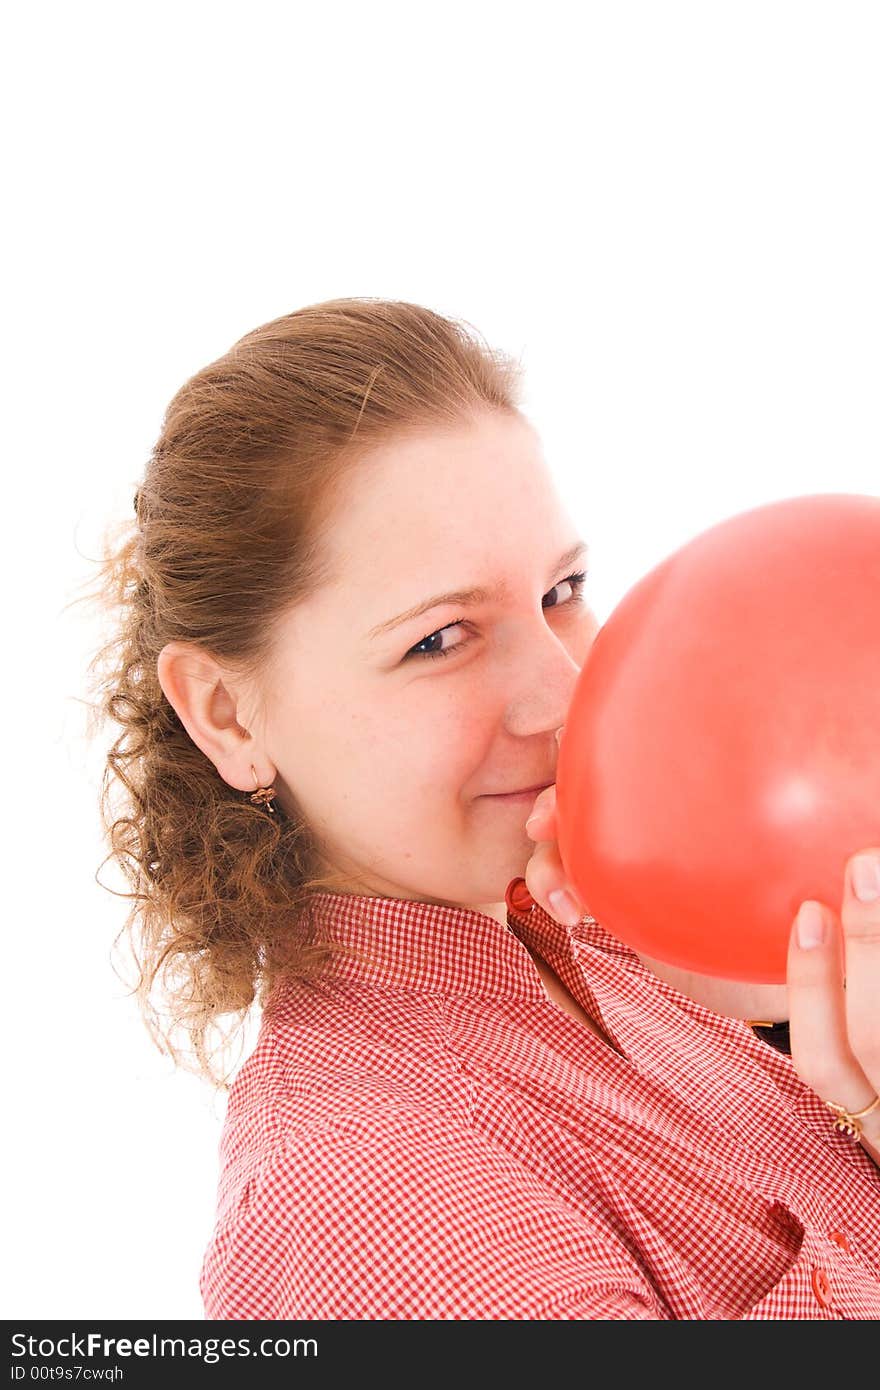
(389, 733)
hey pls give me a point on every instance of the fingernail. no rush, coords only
(866, 877)
(810, 926)
(565, 909)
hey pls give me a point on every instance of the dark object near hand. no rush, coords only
(776, 1034)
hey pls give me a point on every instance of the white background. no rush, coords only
(671, 210)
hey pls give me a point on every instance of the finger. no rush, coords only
(820, 1045)
(545, 878)
(860, 917)
(541, 824)
(820, 1050)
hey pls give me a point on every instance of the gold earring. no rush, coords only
(263, 795)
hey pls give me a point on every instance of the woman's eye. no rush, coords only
(575, 580)
(577, 583)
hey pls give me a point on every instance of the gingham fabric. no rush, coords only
(424, 1134)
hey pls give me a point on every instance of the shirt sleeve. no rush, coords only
(419, 1218)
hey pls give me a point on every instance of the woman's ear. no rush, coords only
(206, 700)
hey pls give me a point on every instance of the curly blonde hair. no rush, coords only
(251, 456)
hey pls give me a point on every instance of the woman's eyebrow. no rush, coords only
(468, 597)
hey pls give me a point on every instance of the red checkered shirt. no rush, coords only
(425, 1134)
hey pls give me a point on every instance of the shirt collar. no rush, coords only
(406, 944)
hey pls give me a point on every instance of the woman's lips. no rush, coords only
(528, 794)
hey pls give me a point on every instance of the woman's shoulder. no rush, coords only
(324, 1060)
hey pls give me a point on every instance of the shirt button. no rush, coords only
(518, 897)
(821, 1286)
(840, 1238)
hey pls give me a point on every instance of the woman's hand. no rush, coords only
(834, 996)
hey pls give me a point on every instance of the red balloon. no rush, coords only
(720, 760)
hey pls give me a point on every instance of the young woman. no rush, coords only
(352, 619)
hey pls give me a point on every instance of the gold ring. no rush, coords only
(848, 1122)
